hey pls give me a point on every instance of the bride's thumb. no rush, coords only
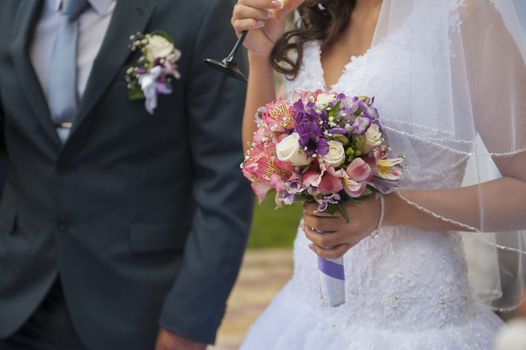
(288, 7)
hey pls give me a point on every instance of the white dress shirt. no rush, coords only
(93, 24)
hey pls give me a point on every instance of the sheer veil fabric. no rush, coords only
(468, 94)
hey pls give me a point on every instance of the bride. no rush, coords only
(449, 80)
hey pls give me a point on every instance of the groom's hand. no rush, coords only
(167, 340)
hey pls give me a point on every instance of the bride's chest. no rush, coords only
(384, 72)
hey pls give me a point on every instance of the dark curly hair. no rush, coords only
(322, 20)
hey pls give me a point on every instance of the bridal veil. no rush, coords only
(468, 91)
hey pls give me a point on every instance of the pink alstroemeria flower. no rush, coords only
(353, 188)
(277, 183)
(261, 190)
(358, 170)
(330, 184)
(305, 95)
(261, 135)
(312, 179)
(389, 169)
(280, 116)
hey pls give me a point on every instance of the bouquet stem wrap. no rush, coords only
(332, 281)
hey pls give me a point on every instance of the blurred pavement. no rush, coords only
(263, 274)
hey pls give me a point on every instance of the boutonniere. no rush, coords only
(155, 69)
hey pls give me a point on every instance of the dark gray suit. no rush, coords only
(144, 218)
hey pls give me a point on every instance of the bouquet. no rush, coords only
(326, 148)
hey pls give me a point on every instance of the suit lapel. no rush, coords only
(25, 20)
(130, 17)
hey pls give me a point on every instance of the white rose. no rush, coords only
(158, 47)
(289, 150)
(323, 100)
(373, 138)
(336, 155)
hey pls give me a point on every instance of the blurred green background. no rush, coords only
(273, 228)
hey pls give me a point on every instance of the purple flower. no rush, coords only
(341, 97)
(365, 116)
(384, 186)
(338, 131)
(361, 124)
(287, 198)
(294, 186)
(153, 84)
(311, 125)
(323, 204)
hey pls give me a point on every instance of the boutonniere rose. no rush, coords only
(155, 69)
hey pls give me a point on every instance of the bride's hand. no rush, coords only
(338, 236)
(265, 21)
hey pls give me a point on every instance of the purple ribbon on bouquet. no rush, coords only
(332, 273)
(331, 268)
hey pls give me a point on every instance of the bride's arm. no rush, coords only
(260, 91)
(265, 21)
(502, 205)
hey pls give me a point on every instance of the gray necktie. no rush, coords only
(62, 88)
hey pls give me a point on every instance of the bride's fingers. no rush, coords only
(322, 224)
(325, 240)
(288, 7)
(312, 209)
(262, 4)
(333, 253)
(241, 25)
(244, 12)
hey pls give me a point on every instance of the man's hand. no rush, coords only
(167, 340)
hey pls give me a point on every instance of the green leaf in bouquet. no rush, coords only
(335, 110)
(349, 152)
(367, 192)
(304, 197)
(372, 189)
(338, 208)
(342, 138)
(358, 143)
(365, 99)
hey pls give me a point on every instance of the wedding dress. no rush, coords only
(406, 288)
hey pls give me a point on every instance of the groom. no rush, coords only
(118, 229)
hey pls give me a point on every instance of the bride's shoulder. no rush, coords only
(479, 17)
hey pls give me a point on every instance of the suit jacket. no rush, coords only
(144, 218)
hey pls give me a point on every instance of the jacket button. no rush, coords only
(63, 224)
